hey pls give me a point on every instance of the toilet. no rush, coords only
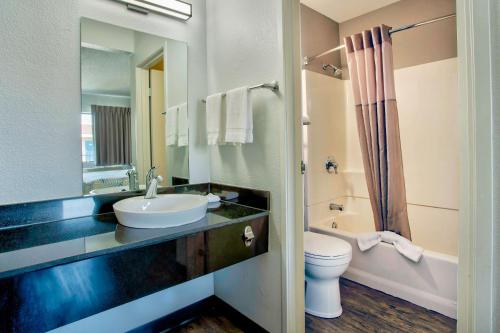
(326, 259)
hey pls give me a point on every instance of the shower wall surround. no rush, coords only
(428, 117)
(427, 93)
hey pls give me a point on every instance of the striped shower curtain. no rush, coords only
(369, 58)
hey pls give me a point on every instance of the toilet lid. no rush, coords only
(325, 246)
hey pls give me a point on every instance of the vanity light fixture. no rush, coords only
(174, 8)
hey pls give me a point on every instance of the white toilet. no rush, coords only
(326, 259)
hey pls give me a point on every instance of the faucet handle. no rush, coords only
(331, 165)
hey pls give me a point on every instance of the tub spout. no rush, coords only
(334, 206)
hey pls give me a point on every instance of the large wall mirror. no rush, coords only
(134, 108)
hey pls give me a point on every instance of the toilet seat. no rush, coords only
(326, 250)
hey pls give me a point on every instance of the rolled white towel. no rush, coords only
(402, 245)
(368, 240)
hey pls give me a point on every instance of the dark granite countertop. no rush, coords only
(32, 247)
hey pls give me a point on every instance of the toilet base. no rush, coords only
(324, 315)
(323, 298)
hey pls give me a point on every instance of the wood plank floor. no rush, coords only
(208, 324)
(367, 310)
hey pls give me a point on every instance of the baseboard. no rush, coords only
(210, 305)
(432, 302)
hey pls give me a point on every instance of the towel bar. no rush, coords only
(273, 85)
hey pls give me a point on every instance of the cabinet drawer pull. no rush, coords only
(248, 236)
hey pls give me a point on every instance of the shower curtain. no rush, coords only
(369, 58)
(112, 134)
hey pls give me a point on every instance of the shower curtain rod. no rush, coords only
(308, 60)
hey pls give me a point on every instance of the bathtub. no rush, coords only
(431, 283)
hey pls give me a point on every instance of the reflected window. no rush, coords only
(88, 147)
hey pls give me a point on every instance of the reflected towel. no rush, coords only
(182, 130)
(239, 118)
(214, 119)
(171, 126)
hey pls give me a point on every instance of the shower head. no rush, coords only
(336, 70)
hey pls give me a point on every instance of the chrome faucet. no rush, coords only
(152, 191)
(152, 182)
(334, 206)
(133, 185)
(149, 177)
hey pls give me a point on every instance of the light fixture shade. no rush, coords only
(174, 8)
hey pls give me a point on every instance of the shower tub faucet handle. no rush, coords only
(331, 165)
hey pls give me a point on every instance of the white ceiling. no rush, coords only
(343, 10)
(105, 72)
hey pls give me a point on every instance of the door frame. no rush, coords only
(475, 23)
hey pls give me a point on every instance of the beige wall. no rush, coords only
(421, 45)
(318, 33)
(428, 113)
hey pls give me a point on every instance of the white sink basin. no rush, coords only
(167, 210)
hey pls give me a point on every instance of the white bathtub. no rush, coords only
(431, 283)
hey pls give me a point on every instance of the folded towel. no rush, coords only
(408, 249)
(214, 119)
(368, 240)
(171, 126)
(239, 119)
(389, 236)
(183, 125)
(402, 245)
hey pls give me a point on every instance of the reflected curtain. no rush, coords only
(369, 58)
(112, 134)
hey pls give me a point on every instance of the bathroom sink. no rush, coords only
(166, 210)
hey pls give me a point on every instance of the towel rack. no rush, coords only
(273, 85)
(165, 112)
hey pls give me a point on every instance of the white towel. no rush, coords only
(408, 249)
(402, 245)
(389, 236)
(182, 130)
(171, 126)
(214, 119)
(368, 240)
(239, 119)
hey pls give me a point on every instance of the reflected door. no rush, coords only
(158, 147)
